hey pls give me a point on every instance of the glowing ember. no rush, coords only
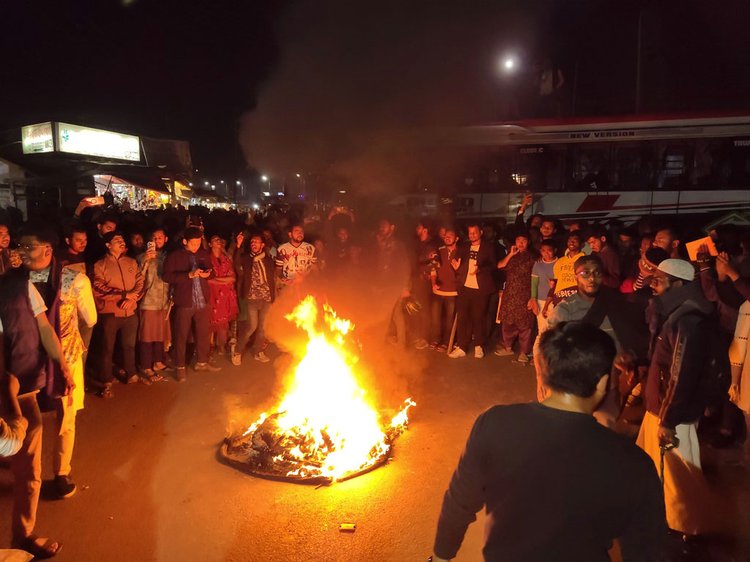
(326, 428)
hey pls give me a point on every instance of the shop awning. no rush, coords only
(151, 184)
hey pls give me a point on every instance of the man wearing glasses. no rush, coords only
(27, 334)
(608, 310)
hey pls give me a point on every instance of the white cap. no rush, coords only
(678, 268)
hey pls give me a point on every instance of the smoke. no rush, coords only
(357, 81)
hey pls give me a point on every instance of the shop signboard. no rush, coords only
(37, 138)
(75, 139)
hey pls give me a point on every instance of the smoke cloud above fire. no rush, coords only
(356, 80)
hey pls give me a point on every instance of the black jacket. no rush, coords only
(679, 322)
(176, 269)
(486, 267)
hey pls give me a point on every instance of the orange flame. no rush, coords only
(326, 408)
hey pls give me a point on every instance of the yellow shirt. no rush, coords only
(563, 272)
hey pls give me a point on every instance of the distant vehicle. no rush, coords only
(605, 168)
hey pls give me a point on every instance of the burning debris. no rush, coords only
(325, 428)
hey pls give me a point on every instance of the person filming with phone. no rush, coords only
(188, 270)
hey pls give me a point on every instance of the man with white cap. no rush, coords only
(680, 321)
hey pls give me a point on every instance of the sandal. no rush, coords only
(106, 392)
(47, 549)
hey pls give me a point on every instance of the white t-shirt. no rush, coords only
(471, 276)
(295, 261)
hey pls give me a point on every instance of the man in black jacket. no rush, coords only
(555, 484)
(475, 266)
(680, 324)
(187, 271)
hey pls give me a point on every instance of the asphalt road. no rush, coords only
(151, 487)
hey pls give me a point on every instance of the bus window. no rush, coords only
(676, 167)
(537, 168)
(739, 162)
(588, 168)
(633, 166)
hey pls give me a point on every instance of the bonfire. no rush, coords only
(326, 427)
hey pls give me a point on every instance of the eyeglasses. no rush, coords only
(30, 247)
(586, 274)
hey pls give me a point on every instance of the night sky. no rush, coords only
(320, 86)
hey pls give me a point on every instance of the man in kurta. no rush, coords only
(68, 296)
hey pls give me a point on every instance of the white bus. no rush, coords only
(608, 168)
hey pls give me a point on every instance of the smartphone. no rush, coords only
(151, 246)
(95, 200)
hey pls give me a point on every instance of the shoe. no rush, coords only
(46, 549)
(457, 353)
(206, 367)
(156, 378)
(503, 352)
(144, 380)
(421, 344)
(478, 352)
(106, 392)
(434, 345)
(181, 375)
(236, 359)
(64, 487)
(148, 373)
(442, 348)
(262, 357)
(132, 379)
(523, 358)
(159, 366)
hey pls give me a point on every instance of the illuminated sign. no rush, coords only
(37, 138)
(75, 139)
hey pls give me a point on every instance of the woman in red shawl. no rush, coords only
(223, 297)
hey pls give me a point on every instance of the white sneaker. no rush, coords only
(478, 352)
(262, 357)
(456, 353)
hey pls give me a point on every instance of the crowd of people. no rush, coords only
(156, 293)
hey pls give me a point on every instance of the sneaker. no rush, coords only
(181, 375)
(206, 367)
(236, 359)
(442, 348)
(132, 379)
(159, 366)
(64, 487)
(503, 352)
(144, 380)
(434, 345)
(523, 358)
(456, 353)
(478, 352)
(421, 344)
(147, 373)
(262, 357)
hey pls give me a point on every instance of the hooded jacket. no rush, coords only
(679, 322)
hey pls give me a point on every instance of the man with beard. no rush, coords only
(153, 328)
(27, 334)
(256, 290)
(681, 322)
(295, 259)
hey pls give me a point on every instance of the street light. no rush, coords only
(509, 64)
(264, 178)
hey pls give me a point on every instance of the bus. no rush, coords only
(606, 168)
